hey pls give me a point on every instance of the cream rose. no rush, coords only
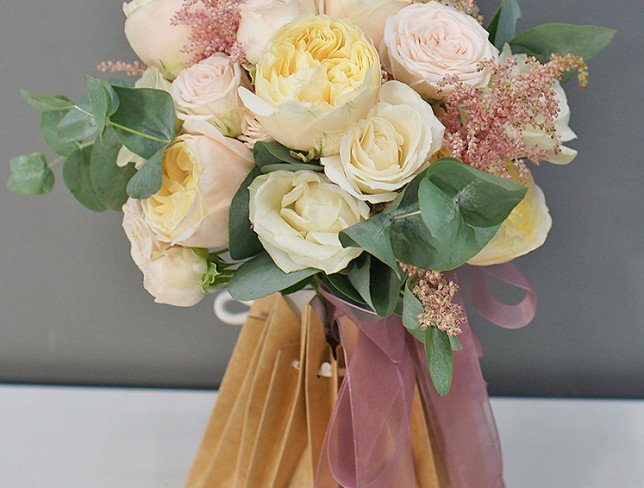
(525, 229)
(208, 91)
(298, 217)
(149, 30)
(383, 152)
(172, 274)
(542, 140)
(425, 42)
(202, 171)
(260, 19)
(369, 15)
(316, 77)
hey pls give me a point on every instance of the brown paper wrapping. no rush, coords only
(268, 424)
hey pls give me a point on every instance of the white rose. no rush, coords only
(382, 153)
(172, 274)
(208, 91)
(316, 77)
(252, 131)
(369, 15)
(202, 171)
(542, 140)
(260, 19)
(425, 42)
(149, 30)
(298, 217)
(525, 229)
(153, 78)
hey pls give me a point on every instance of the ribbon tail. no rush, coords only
(463, 421)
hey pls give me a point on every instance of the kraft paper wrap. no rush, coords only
(270, 418)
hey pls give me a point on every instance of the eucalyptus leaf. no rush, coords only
(98, 99)
(582, 40)
(261, 277)
(78, 124)
(46, 103)
(372, 235)
(344, 289)
(77, 178)
(243, 240)
(49, 122)
(109, 180)
(438, 349)
(455, 343)
(30, 175)
(412, 309)
(502, 28)
(271, 152)
(377, 284)
(147, 180)
(144, 120)
(269, 168)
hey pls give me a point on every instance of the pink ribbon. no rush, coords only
(368, 440)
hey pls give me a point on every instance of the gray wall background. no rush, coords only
(73, 309)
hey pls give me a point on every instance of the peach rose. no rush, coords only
(425, 42)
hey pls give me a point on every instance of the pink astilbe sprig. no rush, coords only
(436, 294)
(214, 25)
(130, 69)
(468, 6)
(484, 126)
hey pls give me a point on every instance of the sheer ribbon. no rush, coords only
(368, 440)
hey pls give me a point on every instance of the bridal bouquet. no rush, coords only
(364, 148)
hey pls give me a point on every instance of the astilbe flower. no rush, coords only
(436, 294)
(484, 125)
(214, 25)
(468, 6)
(130, 69)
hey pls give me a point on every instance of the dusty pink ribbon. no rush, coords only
(368, 440)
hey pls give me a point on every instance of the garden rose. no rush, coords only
(369, 15)
(149, 30)
(425, 42)
(252, 131)
(316, 77)
(202, 171)
(208, 91)
(525, 229)
(534, 137)
(172, 274)
(261, 19)
(383, 152)
(298, 217)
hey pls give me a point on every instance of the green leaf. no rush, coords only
(377, 284)
(109, 180)
(99, 100)
(583, 40)
(412, 308)
(462, 208)
(147, 180)
(30, 175)
(261, 277)
(76, 174)
(244, 242)
(455, 343)
(144, 120)
(372, 236)
(503, 26)
(269, 168)
(49, 122)
(344, 289)
(270, 152)
(46, 103)
(78, 124)
(439, 358)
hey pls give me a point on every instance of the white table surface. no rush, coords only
(120, 438)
